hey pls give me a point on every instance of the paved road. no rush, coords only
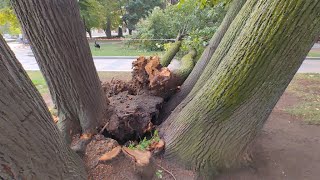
(26, 58)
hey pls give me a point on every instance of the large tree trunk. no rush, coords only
(31, 145)
(58, 41)
(207, 55)
(108, 28)
(212, 131)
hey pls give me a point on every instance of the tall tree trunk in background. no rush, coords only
(213, 130)
(63, 54)
(207, 55)
(89, 32)
(130, 31)
(31, 145)
(120, 32)
(108, 27)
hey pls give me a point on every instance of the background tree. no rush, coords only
(8, 20)
(229, 104)
(65, 60)
(92, 13)
(199, 24)
(112, 11)
(137, 9)
(29, 139)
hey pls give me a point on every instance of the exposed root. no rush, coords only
(172, 175)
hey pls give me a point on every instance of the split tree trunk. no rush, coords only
(57, 37)
(207, 55)
(212, 131)
(31, 145)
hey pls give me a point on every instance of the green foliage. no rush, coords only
(159, 174)
(145, 143)
(8, 20)
(207, 3)
(137, 9)
(112, 9)
(199, 23)
(91, 12)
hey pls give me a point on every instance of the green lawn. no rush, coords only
(41, 85)
(306, 88)
(314, 53)
(118, 48)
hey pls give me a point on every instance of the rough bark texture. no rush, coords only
(212, 131)
(169, 55)
(58, 40)
(207, 55)
(31, 145)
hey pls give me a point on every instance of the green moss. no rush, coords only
(187, 64)
(169, 55)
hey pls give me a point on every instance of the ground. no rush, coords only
(315, 51)
(287, 148)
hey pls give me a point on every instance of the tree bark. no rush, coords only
(207, 55)
(31, 145)
(57, 37)
(169, 55)
(108, 28)
(187, 64)
(130, 31)
(213, 130)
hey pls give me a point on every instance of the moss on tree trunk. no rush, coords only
(212, 130)
(169, 55)
(209, 51)
(187, 64)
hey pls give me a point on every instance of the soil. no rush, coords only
(287, 148)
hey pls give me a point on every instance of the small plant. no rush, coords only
(146, 143)
(159, 174)
(132, 146)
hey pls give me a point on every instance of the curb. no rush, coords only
(313, 58)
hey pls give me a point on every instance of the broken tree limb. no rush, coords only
(173, 50)
(187, 64)
(145, 163)
(109, 156)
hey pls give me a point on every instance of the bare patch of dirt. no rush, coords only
(287, 148)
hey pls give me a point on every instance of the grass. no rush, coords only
(118, 48)
(314, 53)
(42, 87)
(306, 88)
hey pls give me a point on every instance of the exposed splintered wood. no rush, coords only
(108, 156)
(97, 149)
(145, 163)
(157, 147)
